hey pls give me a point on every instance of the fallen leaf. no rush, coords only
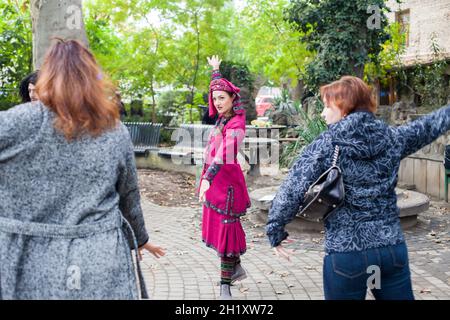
(242, 290)
(283, 274)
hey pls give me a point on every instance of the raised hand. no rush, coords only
(214, 62)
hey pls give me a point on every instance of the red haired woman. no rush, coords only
(222, 188)
(70, 206)
(364, 234)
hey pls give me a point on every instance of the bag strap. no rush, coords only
(335, 155)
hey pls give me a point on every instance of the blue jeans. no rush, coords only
(384, 270)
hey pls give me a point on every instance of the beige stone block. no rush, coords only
(433, 178)
(420, 175)
(406, 172)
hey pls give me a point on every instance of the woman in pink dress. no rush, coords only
(222, 190)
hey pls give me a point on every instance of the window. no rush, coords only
(402, 17)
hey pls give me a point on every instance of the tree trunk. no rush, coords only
(55, 18)
(197, 62)
(152, 92)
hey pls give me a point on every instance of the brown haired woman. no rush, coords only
(70, 209)
(363, 237)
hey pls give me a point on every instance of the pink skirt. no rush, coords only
(223, 233)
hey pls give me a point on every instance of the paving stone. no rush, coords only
(190, 270)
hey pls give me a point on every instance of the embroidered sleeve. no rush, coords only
(307, 169)
(212, 171)
(216, 74)
(418, 133)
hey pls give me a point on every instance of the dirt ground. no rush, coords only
(169, 189)
(173, 189)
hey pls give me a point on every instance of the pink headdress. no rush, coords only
(223, 84)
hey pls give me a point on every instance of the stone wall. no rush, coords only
(427, 18)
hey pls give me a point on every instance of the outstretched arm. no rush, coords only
(307, 169)
(421, 132)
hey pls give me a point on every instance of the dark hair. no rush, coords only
(23, 87)
(73, 86)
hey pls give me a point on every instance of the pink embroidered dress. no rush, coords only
(227, 198)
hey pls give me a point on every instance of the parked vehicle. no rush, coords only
(263, 103)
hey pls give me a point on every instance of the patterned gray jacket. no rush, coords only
(61, 209)
(370, 155)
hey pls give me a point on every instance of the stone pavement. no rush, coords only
(190, 271)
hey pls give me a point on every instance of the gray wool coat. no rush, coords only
(66, 210)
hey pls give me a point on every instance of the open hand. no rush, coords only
(214, 62)
(155, 250)
(204, 186)
(282, 252)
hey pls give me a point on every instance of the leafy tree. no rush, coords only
(157, 43)
(15, 49)
(344, 34)
(269, 43)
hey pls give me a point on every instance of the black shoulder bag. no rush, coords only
(324, 195)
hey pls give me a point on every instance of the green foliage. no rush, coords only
(285, 111)
(15, 50)
(312, 127)
(337, 31)
(428, 81)
(388, 61)
(237, 73)
(158, 43)
(173, 109)
(285, 104)
(268, 43)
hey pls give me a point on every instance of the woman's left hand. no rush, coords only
(204, 186)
